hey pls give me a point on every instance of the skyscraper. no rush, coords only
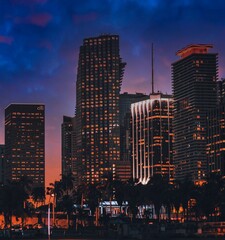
(152, 138)
(25, 142)
(67, 138)
(216, 140)
(221, 91)
(99, 78)
(126, 99)
(194, 88)
(2, 159)
(216, 133)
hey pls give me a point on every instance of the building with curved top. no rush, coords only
(152, 138)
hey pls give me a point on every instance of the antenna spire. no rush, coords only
(152, 70)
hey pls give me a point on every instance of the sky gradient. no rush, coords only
(40, 40)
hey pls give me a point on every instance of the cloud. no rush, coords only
(38, 19)
(6, 40)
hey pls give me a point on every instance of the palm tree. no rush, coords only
(132, 195)
(176, 198)
(156, 193)
(210, 197)
(66, 204)
(38, 195)
(13, 201)
(64, 195)
(187, 190)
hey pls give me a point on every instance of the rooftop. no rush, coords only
(194, 48)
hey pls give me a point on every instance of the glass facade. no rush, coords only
(25, 142)
(194, 89)
(99, 78)
(152, 138)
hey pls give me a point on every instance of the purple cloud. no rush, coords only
(38, 19)
(6, 40)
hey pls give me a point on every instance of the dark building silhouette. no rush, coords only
(67, 144)
(152, 138)
(221, 91)
(194, 89)
(99, 78)
(126, 99)
(124, 166)
(25, 142)
(216, 133)
(216, 140)
(2, 159)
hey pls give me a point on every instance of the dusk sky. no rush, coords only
(40, 40)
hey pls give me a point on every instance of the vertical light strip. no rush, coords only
(160, 132)
(140, 150)
(148, 110)
(152, 150)
(132, 120)
(136, 143)
(144, 147)
(168, 124)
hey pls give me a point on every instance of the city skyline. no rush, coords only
(41, 67)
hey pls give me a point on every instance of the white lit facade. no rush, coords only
(152, 138)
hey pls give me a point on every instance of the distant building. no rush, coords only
(2, 158)
(194, 89)
(25, 142)
(152, 138)
(221, 91)
(122, 170)
(126, 99)
(124, 166)
(67, 134)
(99, 79)
(216, 140)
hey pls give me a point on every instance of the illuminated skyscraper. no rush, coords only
(194, 88)
(25, 142)
(99, 78)
(216, 133)
(152, 138)
(216, 140)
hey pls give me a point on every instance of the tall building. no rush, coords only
(152, 138)
(99, 78)
(2, 158)
(125, 101)
(194, 89)
(221, 91)
(216, 140)
(67, 151)
(25, 142)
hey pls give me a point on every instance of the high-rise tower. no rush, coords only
(99, 78)
(2, 159)
(126, 99)
(25, 142)
(152, 138)
(194, 89)
(67, 143)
